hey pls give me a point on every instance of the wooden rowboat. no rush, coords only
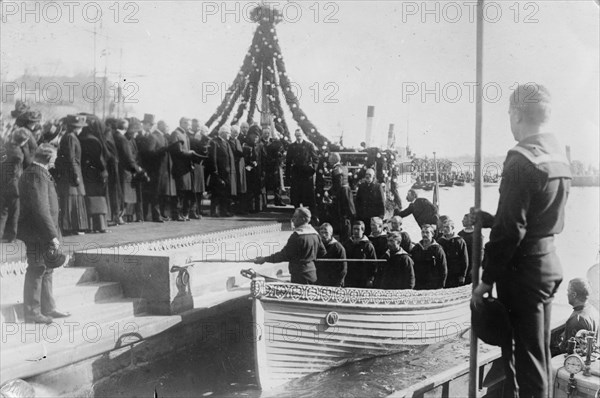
(303, 329)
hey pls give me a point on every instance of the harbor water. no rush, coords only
(222, 364)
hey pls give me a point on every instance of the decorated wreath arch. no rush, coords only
(264, 70)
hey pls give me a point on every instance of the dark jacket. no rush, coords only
(370, 201)
(332, 273)
(222, 160)
(38, 219)
(128, 166)
(533, 192)
(254, 173)
(95, 174)
(11, 169)
(457, 256)
(240, 165)
(430, 266)
(182, 160)
(301, 250)
(397, 273)
(158, 163)
(359, 274)
(68, 166)
(422, 210)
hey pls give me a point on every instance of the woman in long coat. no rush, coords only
(71, 191)
(254, 173)
(95, 172)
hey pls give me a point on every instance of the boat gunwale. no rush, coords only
(404, 300)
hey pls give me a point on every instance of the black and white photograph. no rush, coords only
(300, 198)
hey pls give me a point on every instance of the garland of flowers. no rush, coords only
(277, 106)
(264, 59)
(229, 108)
(254, 93)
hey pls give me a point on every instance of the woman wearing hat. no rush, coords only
(71, 191)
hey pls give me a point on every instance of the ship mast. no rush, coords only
(477, 240)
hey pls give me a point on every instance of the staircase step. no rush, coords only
(68, 298)
(82, 318)
(11, 286)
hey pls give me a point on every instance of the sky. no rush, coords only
(413, 61)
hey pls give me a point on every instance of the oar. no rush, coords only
(349, 260)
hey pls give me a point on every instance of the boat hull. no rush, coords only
(306, 329)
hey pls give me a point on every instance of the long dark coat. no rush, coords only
(182, 160)
(115, 190)
(370, 201)
(222, 162)
(158, 163)
(38, 221)
(93, 165)
(240, 165)
(300, 164)
(200, 146)
(127, 166)
(254, 173)
(68, 166)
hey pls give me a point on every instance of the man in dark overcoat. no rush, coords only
(182, 170)
(300, 166)
(39, 230)
(223, 178)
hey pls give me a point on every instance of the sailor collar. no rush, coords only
(305, 229)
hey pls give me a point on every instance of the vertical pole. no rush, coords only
(477, 241)
(94, 101)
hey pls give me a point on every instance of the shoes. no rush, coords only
(195, 216)
(57, 314)
(228, 214)
(159, 220)
(186, 218)
(38, 319)
(120, 221)
(180, 218)
(104, 231)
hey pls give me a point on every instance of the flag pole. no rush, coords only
(477, 240)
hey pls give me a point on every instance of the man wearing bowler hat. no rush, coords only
(39, 230)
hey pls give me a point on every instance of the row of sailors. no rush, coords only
(425, 265)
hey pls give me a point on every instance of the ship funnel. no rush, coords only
(370, 116)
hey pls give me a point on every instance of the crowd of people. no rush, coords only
(125, 170)
(386, 258)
